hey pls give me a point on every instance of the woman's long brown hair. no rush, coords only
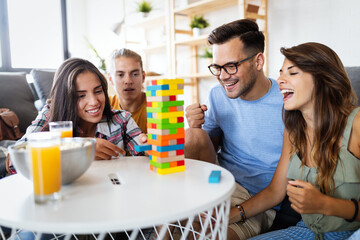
(63, 97)
(334, 100)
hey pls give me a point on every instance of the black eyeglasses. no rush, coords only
(230, 68)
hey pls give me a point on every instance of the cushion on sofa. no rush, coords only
(354, 75)
(43, 79)
(16, 95)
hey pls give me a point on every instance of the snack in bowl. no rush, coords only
(77, 155)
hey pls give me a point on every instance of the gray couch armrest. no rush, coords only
(16, 95)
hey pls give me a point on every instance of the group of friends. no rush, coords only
(294, 141)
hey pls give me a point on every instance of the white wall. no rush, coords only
(334, 23)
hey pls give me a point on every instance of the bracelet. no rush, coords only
(242, 213)
(356, 210)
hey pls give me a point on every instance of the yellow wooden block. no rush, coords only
(176, 86)
(173, 120)
(170, 170)
(169, 92)
(169, 81)
(155, 104)
(168, 115)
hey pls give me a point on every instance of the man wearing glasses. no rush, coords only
(241, 125)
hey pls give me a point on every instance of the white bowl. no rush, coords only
(77, 154)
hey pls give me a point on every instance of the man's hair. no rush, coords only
(246, 30)
(124, 52)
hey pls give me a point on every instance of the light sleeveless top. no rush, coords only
(347, 185)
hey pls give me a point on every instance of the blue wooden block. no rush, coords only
(157, 87)
(215, 176)
(143, 148)
(149, 115)
(169, 148)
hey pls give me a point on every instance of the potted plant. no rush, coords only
(207, 54)
(144, 7)
(197, 23)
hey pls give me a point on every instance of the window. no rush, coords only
(33, 34)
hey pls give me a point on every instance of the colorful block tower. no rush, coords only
(165, 125)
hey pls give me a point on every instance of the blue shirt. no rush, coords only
(251, 135)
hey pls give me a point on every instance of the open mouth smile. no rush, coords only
(287, 94)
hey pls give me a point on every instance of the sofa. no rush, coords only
(24, 98)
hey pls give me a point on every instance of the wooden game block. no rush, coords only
(155, 93)
(165, 131)
(143, 148)
(165, 115)
(164, 109)
(215, 176)
(166, 142)
(167, 104)
(160, 165)
(161, 98)
(166, 154)
(167, 159)
(157, 87)
(180, 134)
(167, 164)
(166, 120)
(168, 148)
(167, 81)
(165, 126)
(176, 86)
(167, 170)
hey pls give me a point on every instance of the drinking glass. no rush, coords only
(44, 150)
(65, 127)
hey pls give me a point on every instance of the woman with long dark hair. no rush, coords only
(79, 94)
(319, 167)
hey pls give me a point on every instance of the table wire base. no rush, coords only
(208, 225)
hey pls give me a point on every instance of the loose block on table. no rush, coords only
(215, 176)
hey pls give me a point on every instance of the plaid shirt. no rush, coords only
(121, 131)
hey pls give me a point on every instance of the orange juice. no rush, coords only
(46, 169)
(66, 133)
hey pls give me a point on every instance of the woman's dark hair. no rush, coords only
(63, 97)
(246, 30)
(334, 98)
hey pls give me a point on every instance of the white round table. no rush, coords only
(95, 203)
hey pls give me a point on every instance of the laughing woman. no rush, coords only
(79, 94)
(319, 167)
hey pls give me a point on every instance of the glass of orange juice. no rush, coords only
(44, 150)
(65, 127)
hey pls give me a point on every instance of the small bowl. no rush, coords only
(77, 154)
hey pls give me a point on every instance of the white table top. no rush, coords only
(93, 204)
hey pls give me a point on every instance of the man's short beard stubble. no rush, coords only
(244, 89)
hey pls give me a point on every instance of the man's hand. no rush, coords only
(195, 115)
(304, 197)
(106, 150)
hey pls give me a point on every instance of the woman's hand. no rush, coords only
(106, 150)
(143, 138)
(305, 198)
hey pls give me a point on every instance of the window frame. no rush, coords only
(5, 38)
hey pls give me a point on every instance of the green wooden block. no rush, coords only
(169, 125)
(160, 165)
(157, 109)
(170, 103)
(155, 120)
